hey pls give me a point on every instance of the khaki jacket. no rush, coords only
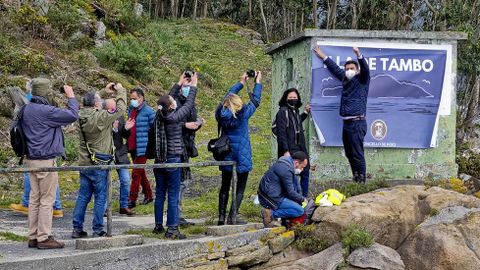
(97, 126)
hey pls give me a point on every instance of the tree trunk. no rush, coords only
(182, 13)
(250, 6)
(205, 8)
(264, 20)
(302, 16)
(354, 14)
(195, 4)
(314, 14)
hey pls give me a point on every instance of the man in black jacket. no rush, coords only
(276, 192)
(353, 108)
(121, 131)
(191, 124)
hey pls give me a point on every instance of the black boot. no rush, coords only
(239, 200)
(222, 208)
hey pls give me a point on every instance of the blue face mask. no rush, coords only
(185, 91)
(29, 96)
(134, 103)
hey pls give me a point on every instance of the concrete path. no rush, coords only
(16, 223)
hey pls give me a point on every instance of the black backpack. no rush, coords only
(274, 124)
(17, 136)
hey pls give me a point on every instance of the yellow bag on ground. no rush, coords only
(330, 197)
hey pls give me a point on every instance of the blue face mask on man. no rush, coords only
(134, 103)
(29, 96)
(185, 91)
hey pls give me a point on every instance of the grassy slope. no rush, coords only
(219, 54)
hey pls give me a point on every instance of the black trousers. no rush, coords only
(225, 189)
(353, 135)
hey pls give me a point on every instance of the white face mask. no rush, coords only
(350, 74)
(298, 171)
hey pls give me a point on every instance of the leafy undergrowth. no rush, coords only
(354, 237)
(308, 239)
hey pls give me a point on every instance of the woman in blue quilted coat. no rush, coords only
(233, 117)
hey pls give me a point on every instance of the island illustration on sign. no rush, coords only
(404, 93)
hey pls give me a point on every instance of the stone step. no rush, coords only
(108, 242)
(233, 229)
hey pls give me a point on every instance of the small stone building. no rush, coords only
(292, 67)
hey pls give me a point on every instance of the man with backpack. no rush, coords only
(20, 99)
(276, 192)
(41, 124)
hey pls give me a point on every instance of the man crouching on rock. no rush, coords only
(277, 193)
(96, 148)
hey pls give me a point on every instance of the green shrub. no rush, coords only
(468, 162)
(120, 16)
(65, 17)
(127, 55)
(15, 60)
(71, 148)
(30, 19)
(354, 237)
(310, 240)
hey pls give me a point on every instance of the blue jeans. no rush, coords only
(26, 193)
(124, 179)
(304, 178)
(91, 183)
(167, 181)
(288, 209)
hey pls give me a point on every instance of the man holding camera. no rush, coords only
(96, 147)
(42, 125)
(191, 124)
(143, 116)
(353, 108)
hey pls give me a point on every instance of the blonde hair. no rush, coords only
(234, 103)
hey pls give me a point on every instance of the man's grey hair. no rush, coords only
(90, 99)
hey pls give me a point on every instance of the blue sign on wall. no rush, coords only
(403, 100)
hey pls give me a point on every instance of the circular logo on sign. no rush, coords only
(378, 129)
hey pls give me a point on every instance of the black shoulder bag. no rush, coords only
(220, 147)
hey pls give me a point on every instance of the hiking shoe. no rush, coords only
(126, 211)
(266, 216)
(19, 208)
(32, 243)
(100, 234)
(50, 243)
(146, 201)
(174, 234)
(184, 223)
(132, 205)
(158, 229)
(58, 213)
(79, 234)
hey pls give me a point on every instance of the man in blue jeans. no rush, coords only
(96, 130)
(277, 193)
(23, 207)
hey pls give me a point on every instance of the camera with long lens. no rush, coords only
(251, 73)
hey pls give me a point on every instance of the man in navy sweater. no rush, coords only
(277, 191)
(353, 108)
